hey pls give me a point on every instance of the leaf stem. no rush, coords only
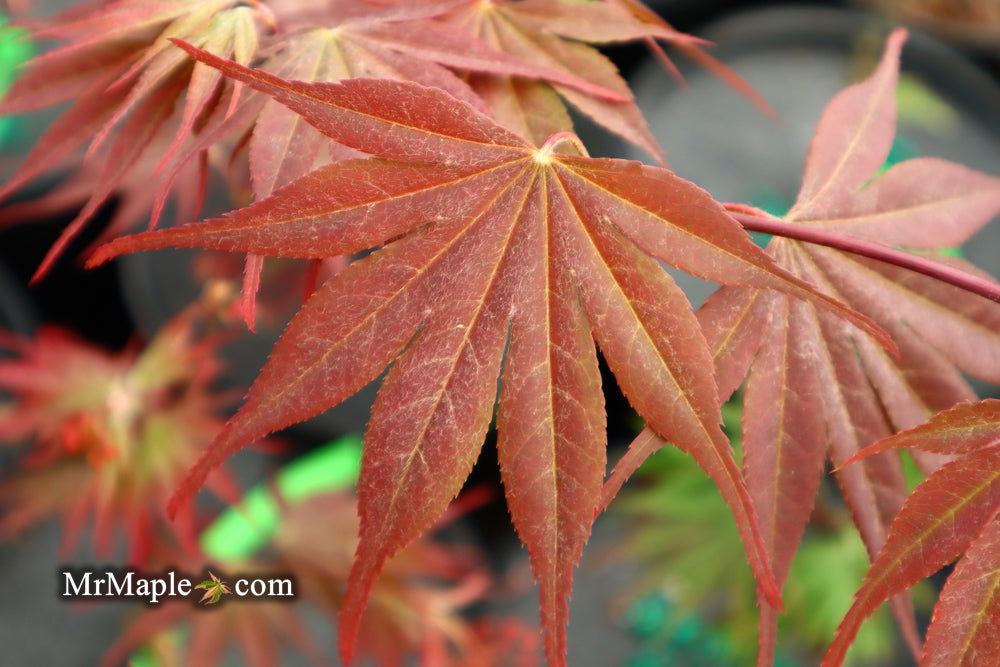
(882, 253)
(564, 136)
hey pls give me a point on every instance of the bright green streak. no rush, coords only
(14, 50)
(243, 529)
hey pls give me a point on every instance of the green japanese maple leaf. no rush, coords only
(215, 588)
(481, 238)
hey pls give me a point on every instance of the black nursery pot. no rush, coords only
(15, 310)
(16, 317)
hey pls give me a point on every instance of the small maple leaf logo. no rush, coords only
(215, 588)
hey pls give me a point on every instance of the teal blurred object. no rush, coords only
(14, 50)
(667, 636)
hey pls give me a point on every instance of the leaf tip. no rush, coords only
(769, 590)
(190, 48)
(898, 36)
(864, 453)
(359, 585)
(101, 255)
(178, 500)
(40, 273)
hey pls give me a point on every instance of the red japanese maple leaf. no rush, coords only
(815, 384)
(953, 512)
(482, 233)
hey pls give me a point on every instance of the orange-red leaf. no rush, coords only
(937, 524)
(853, 137)
(551, 425)
(865, 394)
(951, 204)
(964, 428)
(783, 447)
(965, 629)
(437, 401)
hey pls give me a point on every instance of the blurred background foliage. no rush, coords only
(693, 601)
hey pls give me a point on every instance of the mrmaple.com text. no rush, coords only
(130, 584)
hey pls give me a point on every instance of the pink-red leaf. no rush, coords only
(938, 523)
(65, 136)
(342, 208)
(383, 118)
(951, 204)
(135, 139)
(732, 321)
(867, 394)
(341, 339)
(551, 439)
(965, 630)
(964, 428)
(435, 405)
(58, 76)
(657, 354)
(853, 137)
(783, 448)
(596, 22)
(438, 42)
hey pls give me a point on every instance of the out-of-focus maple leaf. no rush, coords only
(491, 234)
(554, 32)
(504, 641)
(416, 607)
(113, 434)
(807, 358)
(135, 194)
(215, 588)
(953, 512)
(119, 65)
(693, 51)
(258, 629)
